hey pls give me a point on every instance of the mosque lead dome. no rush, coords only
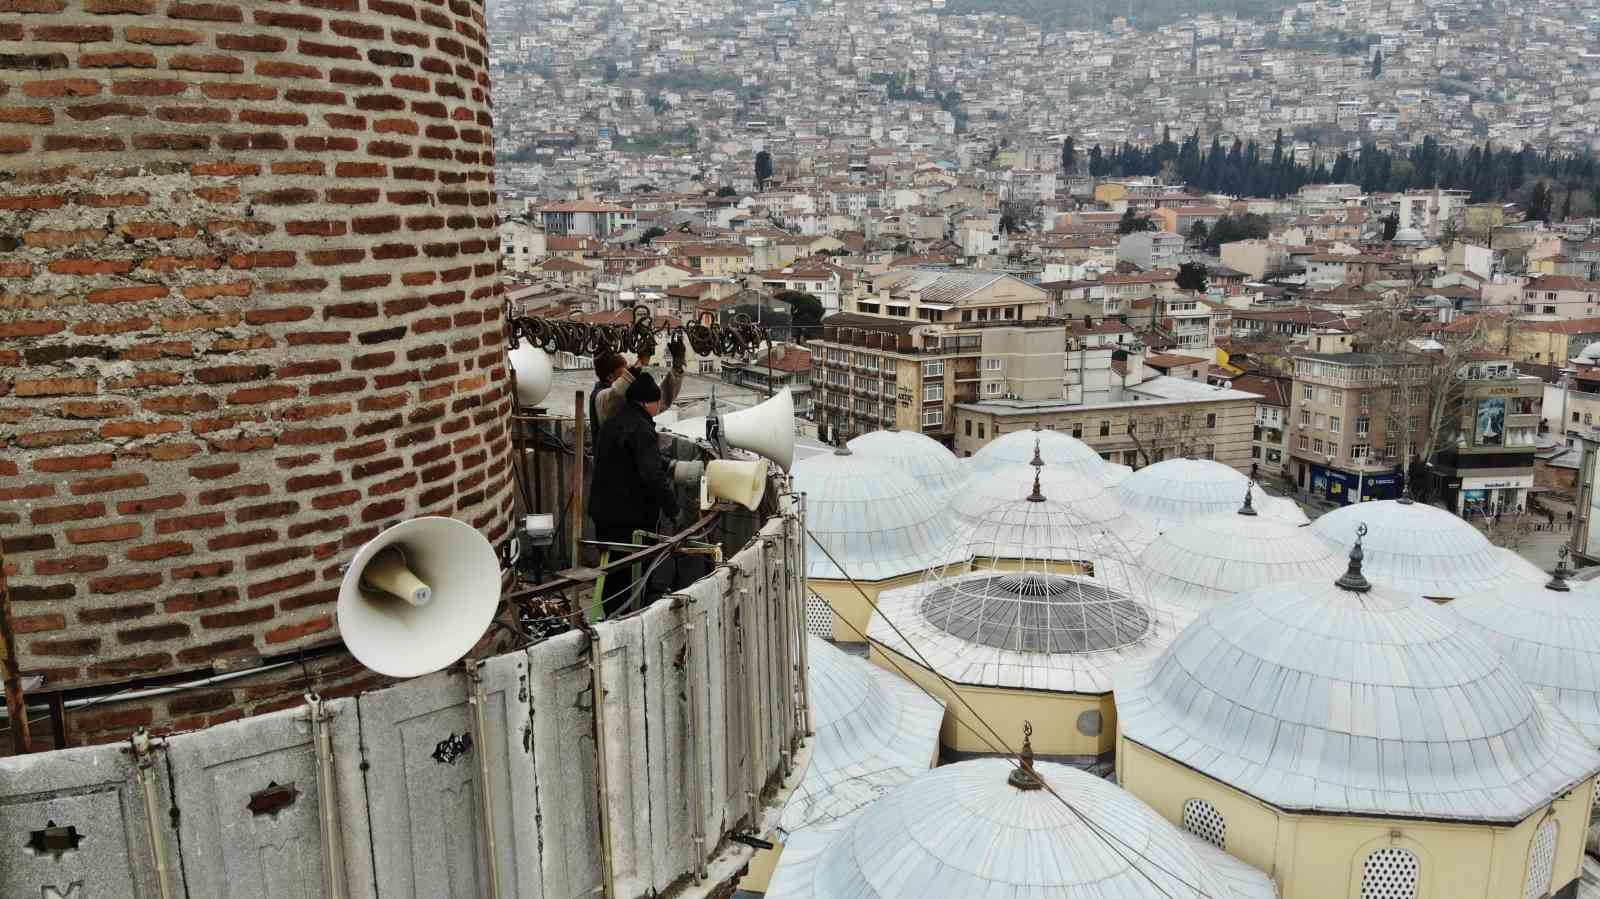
(1177, 491)
(923, 458)
(965, 831)
(1061, 452)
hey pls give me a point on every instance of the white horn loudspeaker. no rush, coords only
(418, 596)
(736, 482)
(531, 367)
(766, 429)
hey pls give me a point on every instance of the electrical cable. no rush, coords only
(1111, 840)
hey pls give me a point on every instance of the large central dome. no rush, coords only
(1314, 697)
(963, 831)
(1034, 612)
(990, 514)
(1059, 451)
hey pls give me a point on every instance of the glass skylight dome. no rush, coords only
(1424, 550)
(923, 458)
(1049, 601)
(1178, 491)
(1352, 698)
(875, 520)
(964, 831)
(1061, 452)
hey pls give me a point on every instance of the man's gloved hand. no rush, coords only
(678, 350)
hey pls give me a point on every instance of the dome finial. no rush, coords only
(1558, 578)
(1353, 580)
(1023, 777)
(1405, 494)
(1249, 488)
(1036, 496)
(1037, 461)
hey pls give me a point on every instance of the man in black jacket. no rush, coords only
(632, 489)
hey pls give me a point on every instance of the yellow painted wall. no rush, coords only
(1321, 856)
(1054, 716)
(846, 601)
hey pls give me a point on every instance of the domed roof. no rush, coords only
(1424, 550)
(991, 515)
(875, 731)
(1176, 491)
(963, 831)
(1059, 606)
(1210, 559)
(918, 455)
(1551, 637)
(1312, 696)
(875, 520)
(1059, 451)
(1591, 353)
(1408, 235)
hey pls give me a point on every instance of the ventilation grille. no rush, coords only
(1202, 819)
(1035, 584)
(1542, 861)
(819, 617)
(1390, 873)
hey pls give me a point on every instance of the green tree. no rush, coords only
(1199, 233)
(726, 191)
(1192, 276)
(1377, 63)
(651, 234)
(1132, 222)
(1069, 155)
(763, 169)
(805, 310)
(1391, 225)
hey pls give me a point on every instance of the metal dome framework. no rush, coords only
(1060, 452)
(966, 830)
(1084, 516)
(1348, 697)
(1035, 612)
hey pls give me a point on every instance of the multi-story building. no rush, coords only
(1486, 464)
(1151, 249)
(584, 217)
(1268, 440)
(1428, 211)
(1354, 418)
(1161, 418)
(1560, 296)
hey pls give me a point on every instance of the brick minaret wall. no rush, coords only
(249, 316)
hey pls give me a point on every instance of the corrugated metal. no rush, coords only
(1425, 550)
(1177, 491)
(963, 831)
(1208, 560)
(876, 521)
(920, 456)
(1551, 638)
(1311, 697)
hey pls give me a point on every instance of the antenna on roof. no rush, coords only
(1023, 777)
(1558, 578)
(1353, 580)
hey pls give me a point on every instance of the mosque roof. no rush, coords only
(964, 830)
(1424, 550)
(1208, 560)
(1551, 637)
(1059, 451)
(1318, 696)
(1177, 491)
(918, 455)
(990, 513)
(875, 520)
(874, 732)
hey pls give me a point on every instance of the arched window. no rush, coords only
(1202, 819)
(1390, 873)
(1541, 861)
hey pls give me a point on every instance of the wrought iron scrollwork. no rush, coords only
(738, 339)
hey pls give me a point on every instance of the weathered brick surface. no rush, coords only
(249, 314)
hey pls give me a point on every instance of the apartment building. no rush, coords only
(1160, 418)
(1560, 296)
(1487, 464)
(1353, 417)
(1269, 437)
(1151, 249)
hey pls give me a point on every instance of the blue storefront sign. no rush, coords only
(1341, 487)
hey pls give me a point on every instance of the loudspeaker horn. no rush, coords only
(418, 596)
(736, 482)
(531, 367)
(687, 473)
(766, 429)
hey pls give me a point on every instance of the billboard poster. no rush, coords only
(1489, 428)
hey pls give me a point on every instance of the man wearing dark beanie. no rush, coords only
(632, 489)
